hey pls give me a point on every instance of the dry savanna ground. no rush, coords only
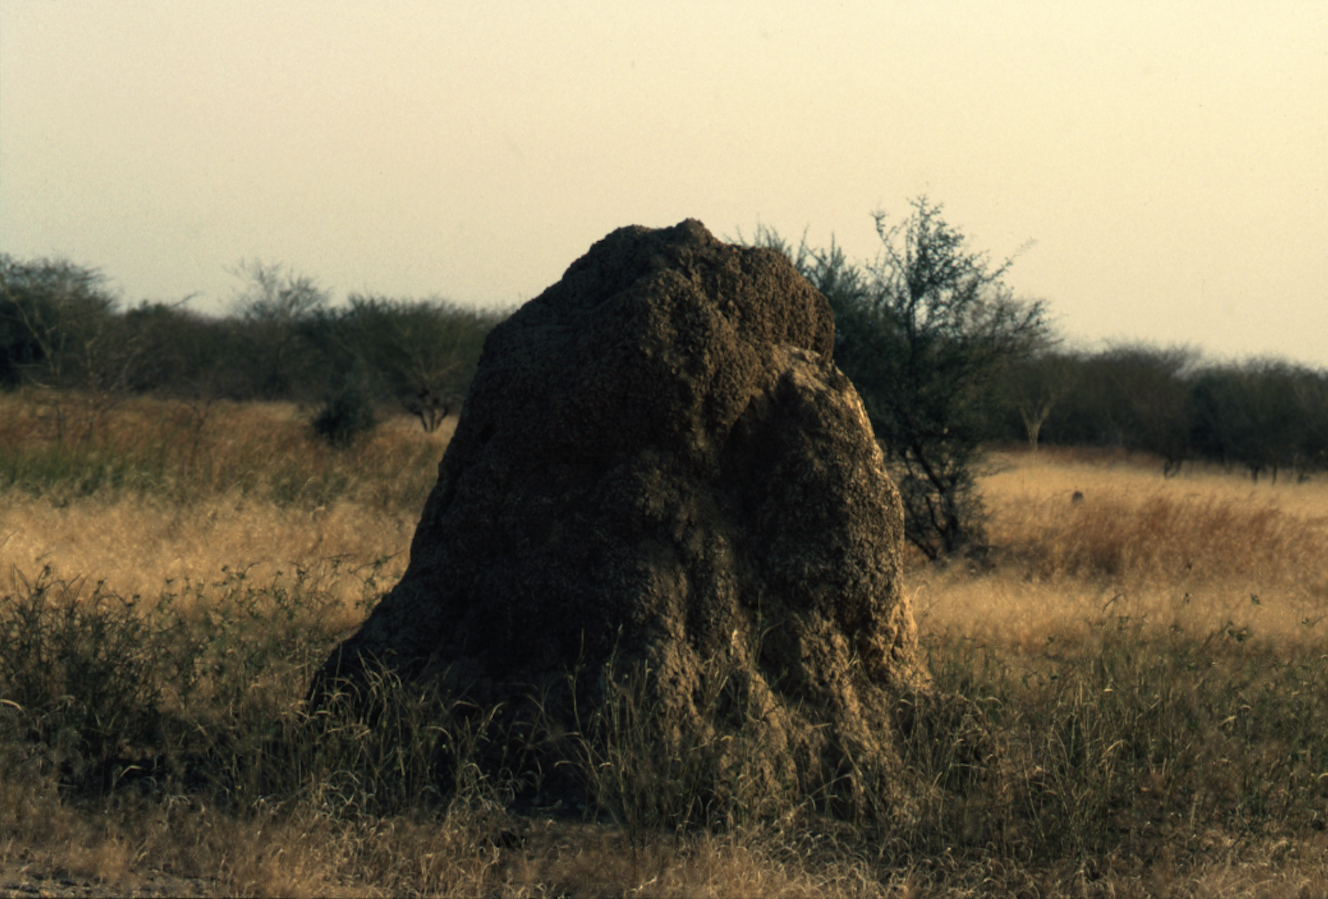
(1151, 661)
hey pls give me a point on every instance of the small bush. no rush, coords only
(348, 413)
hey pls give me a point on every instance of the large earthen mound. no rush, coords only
(659, 471)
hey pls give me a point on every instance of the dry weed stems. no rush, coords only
(1140, 712)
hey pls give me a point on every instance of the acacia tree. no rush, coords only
(1035, 385)
(1150, 387)
(56, 320)
(59, 333)
(925, 343)
(275, 310)
(418, 346)
(1265, 415)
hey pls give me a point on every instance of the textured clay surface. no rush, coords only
(660, 470)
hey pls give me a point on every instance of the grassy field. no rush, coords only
(1151, 661)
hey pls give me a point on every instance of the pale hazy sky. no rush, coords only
(1170, 159)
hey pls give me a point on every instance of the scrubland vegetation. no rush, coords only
(945, 357)
(1127, 600)
(1145, 667)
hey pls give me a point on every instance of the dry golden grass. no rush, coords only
(1200, 550)
(1154, 655)
(75, 447)
(138, 545)
(151, 492)
(1202, 526)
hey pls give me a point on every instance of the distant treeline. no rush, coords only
(284, 340)
(1265, 416)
